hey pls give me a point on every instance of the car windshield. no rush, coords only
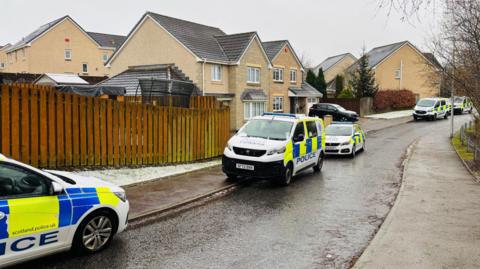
(458, 99)
(338, 130)
(339, 107)
(426, 103)
(268, 129)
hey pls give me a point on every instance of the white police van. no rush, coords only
(43, 212)
(431, 109)
(276, 146)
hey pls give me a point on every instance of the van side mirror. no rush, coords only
(299, 138)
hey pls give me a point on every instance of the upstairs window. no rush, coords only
(278, 74)
(253, 75)
(85, 68)
(293, 75)
(105, 57)
(68, 55)
(216, 72)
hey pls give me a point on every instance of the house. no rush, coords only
(288, 91)
(233, 67)
(62, 46)
(332, 67)
(403, 66)
(3, 56)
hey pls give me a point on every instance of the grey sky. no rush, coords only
(316, 28)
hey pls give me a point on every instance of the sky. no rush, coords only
(316, 29)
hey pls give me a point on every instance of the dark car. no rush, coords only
(338, 113)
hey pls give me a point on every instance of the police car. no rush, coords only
(432, 109)
(344, 139)
(43, 212)
(462, 104)
(276, 146)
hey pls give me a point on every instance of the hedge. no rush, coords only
(387, 100)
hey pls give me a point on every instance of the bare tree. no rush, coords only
(409, 8)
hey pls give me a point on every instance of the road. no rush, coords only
(321, 221)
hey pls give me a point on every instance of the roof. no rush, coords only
(433, 59)
(331, 61)
(63, 79)
(130, 78)
(108, 40)
(205, 42)
(199, 38)
(92, 90)
(272, 48)
(234, 45)
(253, 95)
(33, 35)
(378, 54)
(305, 90)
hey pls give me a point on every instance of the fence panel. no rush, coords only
(42, 127)
(352, 104)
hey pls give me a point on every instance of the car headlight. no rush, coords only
(276, 151)
(229, 146)
(345, 143)
(121, 195)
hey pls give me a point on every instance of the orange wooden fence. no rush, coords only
(44, 128)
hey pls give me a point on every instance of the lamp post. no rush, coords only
(452, 112)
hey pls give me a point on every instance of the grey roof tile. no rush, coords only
(331, 61)
(200, 39)
(40, 30)
(376, 55)
(272, 48)
(234, 45)
(108, 40)
(433, 60)
(253, 95)
(306, 90)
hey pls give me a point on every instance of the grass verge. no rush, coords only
(461, 149)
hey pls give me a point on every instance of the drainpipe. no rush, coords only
(401, 74)
(203, 76)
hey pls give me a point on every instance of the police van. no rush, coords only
(432, 109)
(43, 212)
(276, 146)
(462, 104)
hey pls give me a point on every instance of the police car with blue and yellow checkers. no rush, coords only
(276, 146)
(42, 212)
(343, 138)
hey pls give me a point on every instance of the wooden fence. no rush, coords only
(44, 128)
(352, 104)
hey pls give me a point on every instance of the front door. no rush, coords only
(30, 216)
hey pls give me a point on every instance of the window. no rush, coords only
(312, 129)
(68, 55)
(293, 75)
(216, 72)
(277, 103)
(85, 67)
(278, 74)
(312, 100)
(253, 75)
(398, 74)
(299, 130)
(19, 182)
(105, 57)
(2, 65)
(252, 109)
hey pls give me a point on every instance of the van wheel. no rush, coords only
(318, 167)
(446, 116)
(287, 175)
(95, 232)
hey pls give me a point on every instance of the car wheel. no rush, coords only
(415, 118)
(446, 116)
(287, 175)
(319, 165)
(354, 151)
(95, 232)
(364, 146)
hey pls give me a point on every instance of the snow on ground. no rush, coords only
(391, 115)
(129, 176)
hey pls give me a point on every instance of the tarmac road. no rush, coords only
(322, 220)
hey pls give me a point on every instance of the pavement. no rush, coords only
(391, 115)
(322, 220)
(435, 222)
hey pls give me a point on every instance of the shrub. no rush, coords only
(346, 93)
(393, 100)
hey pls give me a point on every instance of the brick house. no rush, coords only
(61, 46)
(235, 68)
